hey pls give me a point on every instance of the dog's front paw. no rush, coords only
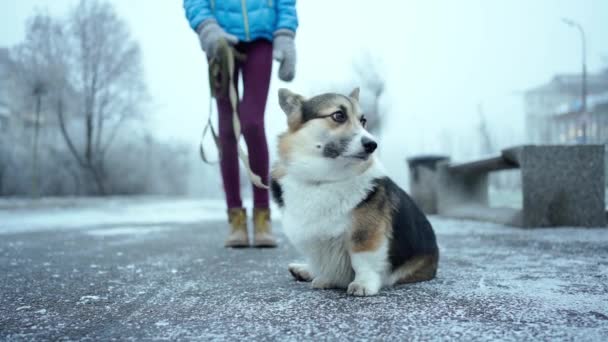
(300, 272)
(362, 289)
(322, 283)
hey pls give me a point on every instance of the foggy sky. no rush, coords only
(440, 58)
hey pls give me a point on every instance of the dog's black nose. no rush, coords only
(368, 145)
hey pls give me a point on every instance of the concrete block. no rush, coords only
(562, 185)
(423, 182)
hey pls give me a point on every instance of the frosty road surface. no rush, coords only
(155, 268)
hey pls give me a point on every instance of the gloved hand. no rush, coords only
(209, 32)
(284, 51)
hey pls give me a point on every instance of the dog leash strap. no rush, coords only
(209, 128)
(236, 123)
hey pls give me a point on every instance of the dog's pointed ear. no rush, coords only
(355, 94)
(291, 104)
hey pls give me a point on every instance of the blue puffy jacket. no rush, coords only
(247, 19)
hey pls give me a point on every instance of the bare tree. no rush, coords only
(91, 67)
(486, 146)
(38, 91)
(106, 73)
(372, 83)
(368, 76)
(33, 71)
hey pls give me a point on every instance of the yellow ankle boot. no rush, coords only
(237, 217)
(262, 230)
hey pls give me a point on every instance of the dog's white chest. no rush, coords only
(319, 212)
(310, 214)
(316, 219)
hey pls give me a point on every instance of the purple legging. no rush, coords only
(256, 71)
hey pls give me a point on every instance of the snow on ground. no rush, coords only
(23, 215)
(127, 230)
(545, 273)
(155, 268)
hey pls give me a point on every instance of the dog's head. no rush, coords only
(326, 138)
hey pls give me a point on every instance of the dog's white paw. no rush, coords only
(322, 283)
(362, 289)
(300, 272)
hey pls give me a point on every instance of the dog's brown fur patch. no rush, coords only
(420, 268)
(371, 223)
(284, 146)
(278, 171)
(299, 274)
(294, 121)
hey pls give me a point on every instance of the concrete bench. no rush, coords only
(562, 185)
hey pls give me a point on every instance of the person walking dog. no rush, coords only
(260, 30)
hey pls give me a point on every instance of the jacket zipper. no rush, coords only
(245, 18)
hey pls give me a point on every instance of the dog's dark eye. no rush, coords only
(339, 117)
(363, 121)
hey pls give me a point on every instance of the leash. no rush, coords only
(221, 65)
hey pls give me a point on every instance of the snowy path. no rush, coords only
(154, 268)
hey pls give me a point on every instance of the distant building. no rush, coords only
(554, 116)
(572, 126)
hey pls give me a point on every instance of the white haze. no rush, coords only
(440, 59)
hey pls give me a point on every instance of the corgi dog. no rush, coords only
(354, 226)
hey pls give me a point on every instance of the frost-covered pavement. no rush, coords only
(155, 269)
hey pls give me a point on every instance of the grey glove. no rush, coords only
(209, 32)
(284, 51)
